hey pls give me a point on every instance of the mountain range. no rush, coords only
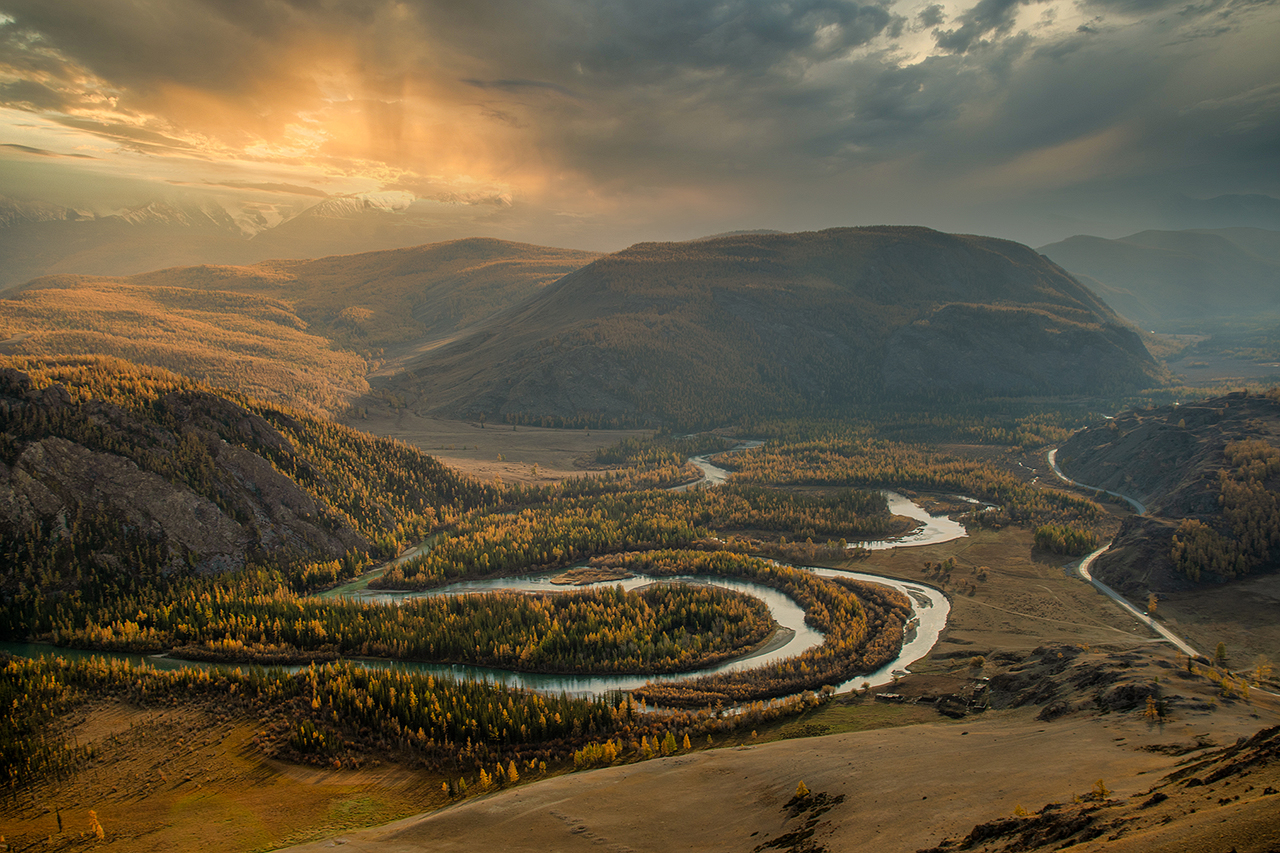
(39, 238)
(1179, 280)
(305, 333)
(714, 330)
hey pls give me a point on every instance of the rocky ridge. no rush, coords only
(200, 485)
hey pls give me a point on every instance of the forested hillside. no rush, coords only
(114, 473)
(303, 333)
(707, 332)
(1209, 474)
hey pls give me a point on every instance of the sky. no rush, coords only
(600, 124)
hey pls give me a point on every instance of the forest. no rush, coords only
(342, 715)
(1246, 537)
(83, 579)
(663, 628)
(827, 454)
(862, 626)
(563, 531)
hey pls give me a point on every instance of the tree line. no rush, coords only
(862, 626)
(339, 714)
(663, 628)
(566, 530)
(1246, 536)
(844, 457)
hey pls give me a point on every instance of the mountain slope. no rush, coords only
(1165, 278)
(397, 296)
(110, 470)
(297, 332)
(1209, 474)
(710, 331)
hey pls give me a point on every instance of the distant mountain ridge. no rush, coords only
(1233, 210)
(1165, 279)
(39, 238)
(711, 331)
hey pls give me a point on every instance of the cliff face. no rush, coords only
(193, 480)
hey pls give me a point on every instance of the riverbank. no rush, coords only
(884, 757)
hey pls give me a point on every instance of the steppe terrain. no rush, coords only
(909, 776)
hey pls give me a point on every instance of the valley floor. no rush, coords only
(898, 789)
(176, 778)
(533, 455)
(913, 787)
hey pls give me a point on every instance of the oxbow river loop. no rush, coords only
(930, 609)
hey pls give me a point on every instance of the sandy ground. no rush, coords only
(1244, 615)
(474, 449)
(904, 789)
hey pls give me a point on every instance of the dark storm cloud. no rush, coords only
(742, 35)
(931, 16)
(1182, 8)
(231, 45)
(141, 45)
(763, 99)
(987, 18)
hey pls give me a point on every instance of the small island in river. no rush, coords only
(584, 575)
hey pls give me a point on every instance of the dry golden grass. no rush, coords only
(248, 343)
(377, 301)
(190, 778)
(304, 333)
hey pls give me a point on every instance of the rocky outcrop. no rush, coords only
(188, 480)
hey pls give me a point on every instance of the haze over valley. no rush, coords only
(797, 426)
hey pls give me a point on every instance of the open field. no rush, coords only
(1028, 599)
(902, 788)
(1243, 615)
(190, 777)
(474, 449)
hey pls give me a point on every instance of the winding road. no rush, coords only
(1083, 567)
(1139, 508)
(1146, 619)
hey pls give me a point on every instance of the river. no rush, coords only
(930, 609)
(793, 636)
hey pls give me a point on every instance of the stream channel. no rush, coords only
(930, 608)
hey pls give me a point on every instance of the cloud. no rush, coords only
(41, 152)
(520, 85)
(987, 17)
(932, 16)
(617, 109)
(291, 189)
